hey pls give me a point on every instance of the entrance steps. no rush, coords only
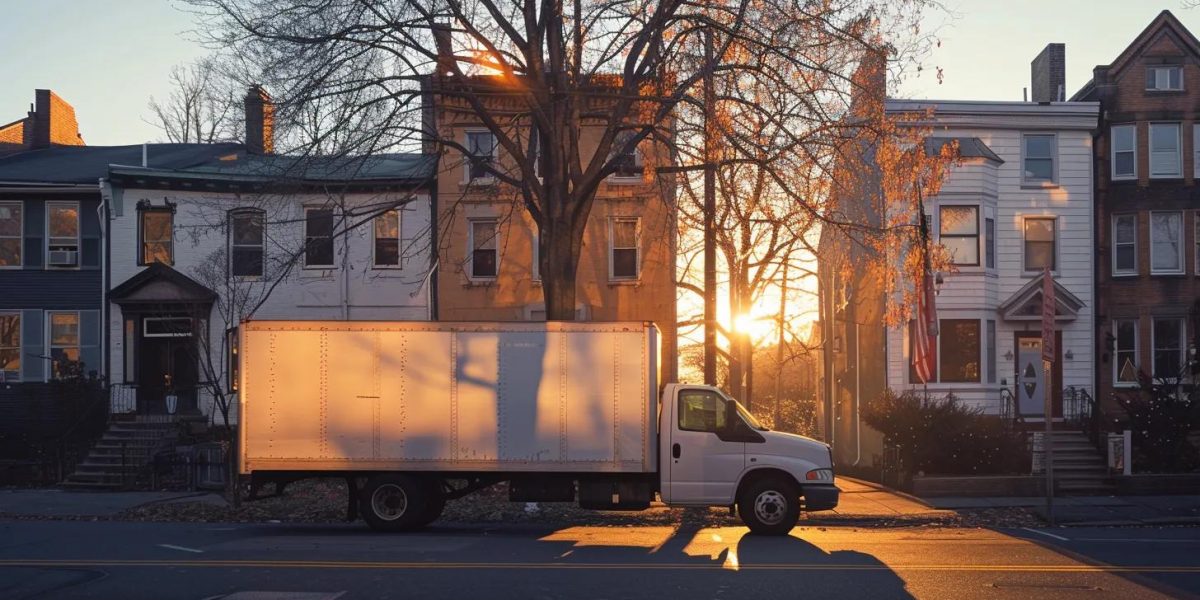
(121, 454)
(1079, 467)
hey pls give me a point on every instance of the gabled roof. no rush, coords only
(87, 164)
(968, 147)
(1026, 303)
(159, 284)
(1163, 24)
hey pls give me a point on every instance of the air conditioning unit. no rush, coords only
(63, 258)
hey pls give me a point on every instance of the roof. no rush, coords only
(258, 169)
(87, 164)
(968, 147)
(159, 284)
(1165, 21)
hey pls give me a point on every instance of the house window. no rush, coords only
(11, 225)
(701, 410)
(992, 347)
(318, 237)
(1125, 352)
(958, 350)
(247, 242)
(155, 229)
(387, 239)
(1124, 244)
(1168, 347)
(62, 234)
(1038, 158)
(624, 233)
(1039, 244)
(1164, 150)
(10, 346)
(1166, 242)
(484, 263)
(231, 342)
(164, 327)
(958, 227)
(1164, 78)
(481, 146)
(1124, 152)
(64, 344)
(628, 162)
(989, 242)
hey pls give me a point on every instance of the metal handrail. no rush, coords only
(1008, 407)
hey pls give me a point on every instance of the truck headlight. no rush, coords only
(820, 475)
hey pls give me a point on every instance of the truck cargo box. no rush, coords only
(439, 396)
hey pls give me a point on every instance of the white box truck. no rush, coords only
(412, 414)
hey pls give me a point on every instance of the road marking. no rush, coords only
(1049, 535)
(183, 548)
(300, 564)
(1138, 540)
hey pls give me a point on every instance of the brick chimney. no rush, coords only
(1048, 73)
(260, 121)
(51, 122)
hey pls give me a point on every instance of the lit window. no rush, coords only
(1038, 158)
(387, 239)
(10, 346)
(10, 234)
(246, 243)
(959, 233)
(484, 263)
(958, 350)
(1125, 359)
(1164, 150)
(1166, 242)
(1168, 348)
(1124, 244)
(156, 233)
(62, 234)
(1164, 78)
(64, 345)
(318, 237)
(1124, 152)
(1039, 244)
(623, 248)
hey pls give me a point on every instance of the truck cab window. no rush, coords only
(701, 410)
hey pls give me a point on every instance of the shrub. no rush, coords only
(1160, 418)
(945, 437)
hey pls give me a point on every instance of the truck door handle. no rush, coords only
(675, 451)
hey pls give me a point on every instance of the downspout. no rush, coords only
(102, 215)
(857, 394)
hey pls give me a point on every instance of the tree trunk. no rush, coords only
(558, 267)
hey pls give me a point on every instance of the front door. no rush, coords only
(704, 469)
(166, 368)
(1031, 386)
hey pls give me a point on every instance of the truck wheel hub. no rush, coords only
(769, 507)
(389, 502)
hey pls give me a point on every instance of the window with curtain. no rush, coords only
(958, 231)
(623, 247)
(156, 229)
(387, 239)
(1164, 150)
(10, 233)
(64, 344)
(484, 258)
(1040, 244)
(1166, 242)
(1125, 358)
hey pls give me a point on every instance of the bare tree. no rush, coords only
(202, 106)
(543, 76)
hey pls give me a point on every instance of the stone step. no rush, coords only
(96, 467)
(90, 485)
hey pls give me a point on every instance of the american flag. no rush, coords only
(924, 350)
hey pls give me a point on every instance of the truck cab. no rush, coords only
(713, 452)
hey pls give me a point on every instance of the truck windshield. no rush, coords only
(747, 417)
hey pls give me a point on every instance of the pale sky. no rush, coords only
(108, 57)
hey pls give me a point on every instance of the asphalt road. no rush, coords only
(73, 559)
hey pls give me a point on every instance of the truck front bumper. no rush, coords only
(820, 497)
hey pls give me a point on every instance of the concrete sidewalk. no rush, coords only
(865, 499)
(1091, 510)
(70, 503)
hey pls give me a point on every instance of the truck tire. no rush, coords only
(770, 506)
(395, 502)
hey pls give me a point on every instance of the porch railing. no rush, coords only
(124, 402)
(1081, 410)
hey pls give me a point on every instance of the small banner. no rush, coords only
(1048, 310)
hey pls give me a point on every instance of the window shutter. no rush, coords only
(89, 341)
(35, 225)
(33, 366)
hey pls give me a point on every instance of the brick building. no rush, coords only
(1147, 223)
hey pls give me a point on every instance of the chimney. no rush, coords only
(260, 121)
(1048, 74)
(443, 43)
(870, 83)
(51, 122)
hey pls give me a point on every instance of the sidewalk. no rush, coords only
(1091, 510)
(53, 503)
(863, 498)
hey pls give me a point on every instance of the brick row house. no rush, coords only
(1147, 159)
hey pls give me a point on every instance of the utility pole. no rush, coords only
(710, 211)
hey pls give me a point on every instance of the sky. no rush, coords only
(107, 58)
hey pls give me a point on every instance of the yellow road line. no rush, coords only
(301, 564)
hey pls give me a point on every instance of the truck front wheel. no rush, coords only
(394, 502)
(770, 506)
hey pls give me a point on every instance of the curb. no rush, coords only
(883, 488)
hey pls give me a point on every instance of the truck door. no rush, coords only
(703, 467)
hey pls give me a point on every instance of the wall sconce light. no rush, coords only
(1069, 355)
(1008, 355)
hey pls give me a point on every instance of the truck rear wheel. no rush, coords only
(770, 506)
(395, 502)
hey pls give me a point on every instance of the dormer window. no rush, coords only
(1161, 78)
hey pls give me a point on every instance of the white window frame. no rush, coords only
(1165, 72)
(332, 238)
(262, 215)
(146, 327)
(399, 241)
(1035, 182)
(1024, 242)
(78, 235)
(1116, 271)
(1116, 360)
(20, 235)
(484, 179)
(1182, 239)
(637, 248)
(1183, 343)
(143, 241)
(1113, 155)
(979, 258)
(471, 248)
(51, 346)
(20, 343)
(1178, 150)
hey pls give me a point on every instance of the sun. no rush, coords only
(758, 328)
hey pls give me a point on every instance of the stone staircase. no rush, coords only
(1079, 468)
(121, 454)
